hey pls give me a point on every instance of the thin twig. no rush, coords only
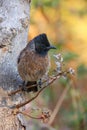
(29, 115)
(20, 89)
(50, 82)
(58, 105)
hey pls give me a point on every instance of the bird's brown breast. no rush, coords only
(31, 65)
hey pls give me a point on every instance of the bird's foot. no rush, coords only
(39, 83)
(29, 86)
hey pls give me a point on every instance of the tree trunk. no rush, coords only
(14, 21)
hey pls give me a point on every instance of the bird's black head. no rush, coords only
(42, 45)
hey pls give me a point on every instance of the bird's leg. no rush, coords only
(34, 86)
(40, 83)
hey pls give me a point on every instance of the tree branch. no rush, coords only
(50, 82)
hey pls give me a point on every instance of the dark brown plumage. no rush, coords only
(33, 61)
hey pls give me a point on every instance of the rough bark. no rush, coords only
(14, 21)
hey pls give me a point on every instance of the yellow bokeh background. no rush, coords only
(63, 23)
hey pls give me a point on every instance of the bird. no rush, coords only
(33, 61)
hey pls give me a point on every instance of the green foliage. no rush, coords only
(63, 81)
(74, 118)
(48, 95)
(69, 56)
(82, 12)
(82, 70)
(48, 3)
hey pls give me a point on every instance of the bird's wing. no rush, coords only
(20, 55)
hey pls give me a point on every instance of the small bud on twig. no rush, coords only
(71, 71)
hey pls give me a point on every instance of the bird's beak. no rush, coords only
(51, 47)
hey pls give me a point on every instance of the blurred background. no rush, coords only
(65, 23)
